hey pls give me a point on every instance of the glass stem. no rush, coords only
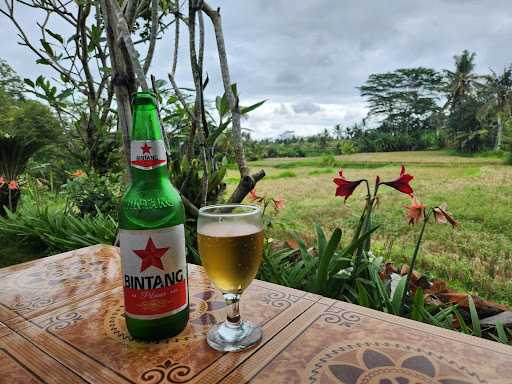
(233, 302)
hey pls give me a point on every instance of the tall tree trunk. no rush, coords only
(499, 133)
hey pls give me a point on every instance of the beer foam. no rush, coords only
(228, 229)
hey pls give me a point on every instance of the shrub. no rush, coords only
(56, 228)
(328, 161)
(91, 193)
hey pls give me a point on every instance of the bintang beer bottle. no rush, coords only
(152, 234)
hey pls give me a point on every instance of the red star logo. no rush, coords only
(146, 148)
(151, 256)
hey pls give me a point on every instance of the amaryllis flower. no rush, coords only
(278, 203)
(254, 197)
(345, 187)
(2, 181)
(12, 185)
(443, 216)
(414, 212)
(401, 183)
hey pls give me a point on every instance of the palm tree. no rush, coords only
(463, 81)
(498, 89)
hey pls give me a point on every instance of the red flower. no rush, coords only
(79, 173)
(401, 183)
(278, 203)
(2, 181)
(443, 216)
(12, 185)
(254, 197)
(345, 187)
(414, 212)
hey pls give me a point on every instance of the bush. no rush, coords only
(328, 161)
(91, 193)
(56, 228)
(509, 158)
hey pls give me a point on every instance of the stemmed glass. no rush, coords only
(230, 239)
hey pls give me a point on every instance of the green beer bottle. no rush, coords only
(151, 234)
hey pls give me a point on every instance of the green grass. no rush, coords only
(476, 257)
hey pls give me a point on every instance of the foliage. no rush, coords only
(188, 167)
(15, 153)
(403, 95)
(10, 83)
(406, 102)
(91, 193)
(328, 270)
(57, 228)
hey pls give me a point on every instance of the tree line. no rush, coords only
(419, 108)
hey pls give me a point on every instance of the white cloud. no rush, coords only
(272, 119)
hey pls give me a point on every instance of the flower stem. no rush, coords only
(413, 259)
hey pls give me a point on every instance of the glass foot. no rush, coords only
(228, 337)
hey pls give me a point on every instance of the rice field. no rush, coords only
(475, 257)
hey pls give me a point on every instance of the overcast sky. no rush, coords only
(308, 56)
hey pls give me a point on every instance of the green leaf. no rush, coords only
(29, 82)
(56, 36)
(362, 295)
(66, 93)
(234, 90)
(47, 47)
(244, 110)
(325, 257)
(502, 335)
(475, 320)
(43, 61)
(160, 83)
(349, 251)
(321, 240)
(40, 81)
(224, 106)
(417, 304)
(400, 291)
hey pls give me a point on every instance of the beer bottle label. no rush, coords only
(148, 154)
(155, 271)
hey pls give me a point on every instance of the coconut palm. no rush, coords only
(463, 81)
(498, 91)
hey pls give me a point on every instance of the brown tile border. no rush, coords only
(34, 305)
(229, 361)
(284, 302)
(427, 328)
(344, 327)
(23, 362)
(4, 330)
(270, 350)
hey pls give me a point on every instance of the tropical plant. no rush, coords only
(90, 193)
(498, 92)
(99, 60)
(57, 229)
(15, 153)
(461, 82)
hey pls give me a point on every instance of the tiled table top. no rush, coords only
(61, 320)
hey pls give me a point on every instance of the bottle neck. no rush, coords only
(148, 153)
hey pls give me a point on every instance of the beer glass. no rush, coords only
(230, 239)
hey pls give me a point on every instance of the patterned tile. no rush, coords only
(346, 344)
(39, 286)
(90, 337)
(21, 363)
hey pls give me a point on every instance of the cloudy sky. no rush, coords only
(306, 57)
